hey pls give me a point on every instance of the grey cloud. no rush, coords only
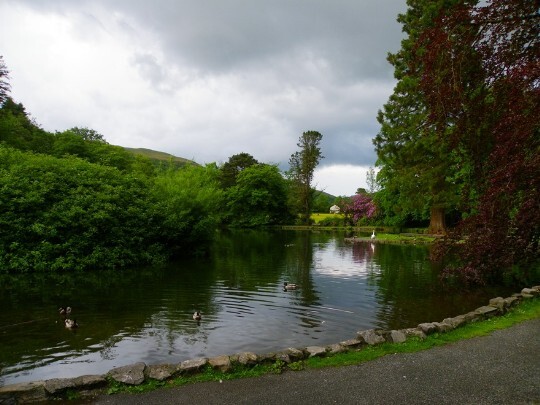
(149, 68)
(275, 69)
(216, 35)
(347, 148)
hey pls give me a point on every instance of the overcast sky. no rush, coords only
(208, 79)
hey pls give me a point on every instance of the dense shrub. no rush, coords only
(259, 198)
(189, 200)
(68, 214)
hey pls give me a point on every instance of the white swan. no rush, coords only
(373, 234)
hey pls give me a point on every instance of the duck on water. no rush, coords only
(64, 311)
(71, 323)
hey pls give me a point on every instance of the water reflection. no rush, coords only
(146, 314)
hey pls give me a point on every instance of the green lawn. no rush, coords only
(319, 217)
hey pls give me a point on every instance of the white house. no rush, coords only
(334, 209)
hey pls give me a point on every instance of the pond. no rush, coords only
(146, 314)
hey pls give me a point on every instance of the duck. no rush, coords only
(71, 323)
(287, 286)
(197, 316)
(373, 234)
(64, 310)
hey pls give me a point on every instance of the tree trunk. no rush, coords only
(437, 225)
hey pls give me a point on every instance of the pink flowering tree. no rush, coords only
(360, 206)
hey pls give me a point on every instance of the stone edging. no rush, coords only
(136, 374)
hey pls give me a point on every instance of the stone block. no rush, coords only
(443, 327)
(267, 357)
(486, 311)
(472, 316)
(530, 291)
(247, 358)
(90, 381)
(428, 328)
(295, 354)
(160, 372)
(132, 374)
(221, 363)
(414, 332)
(370, 337)
(23, 392)
(397, 336)
(455, 322)
(498, 303)
(352, 343)
(316, 351)
(335, 348)
(284, 357)
(58, 385)
(191, 366)
(511, 301)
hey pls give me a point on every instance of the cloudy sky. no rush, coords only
(207, 79)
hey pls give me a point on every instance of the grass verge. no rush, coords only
(526, 310)
(399, 238)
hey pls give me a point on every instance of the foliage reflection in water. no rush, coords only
(146, 314)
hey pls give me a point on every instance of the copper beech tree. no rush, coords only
(481, 85)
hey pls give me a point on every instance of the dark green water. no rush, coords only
(146, 314)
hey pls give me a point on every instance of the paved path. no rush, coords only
(503, 368)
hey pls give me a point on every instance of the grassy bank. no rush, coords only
(386, 234)
(528, 309)
(396, 238)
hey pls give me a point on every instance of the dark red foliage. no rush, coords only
(482, 84)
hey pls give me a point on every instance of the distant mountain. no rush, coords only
(329, 196)
(159, 157)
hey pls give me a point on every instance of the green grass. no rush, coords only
(319, 217)
(392, 237)
(528, 309)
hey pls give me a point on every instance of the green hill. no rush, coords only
(160, 157)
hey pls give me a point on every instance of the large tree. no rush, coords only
(302, 167)
(415, 166)
(234, 166)
(88, 134)
(482, 85)
(259, 197)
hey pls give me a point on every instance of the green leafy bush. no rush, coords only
(59, 214)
